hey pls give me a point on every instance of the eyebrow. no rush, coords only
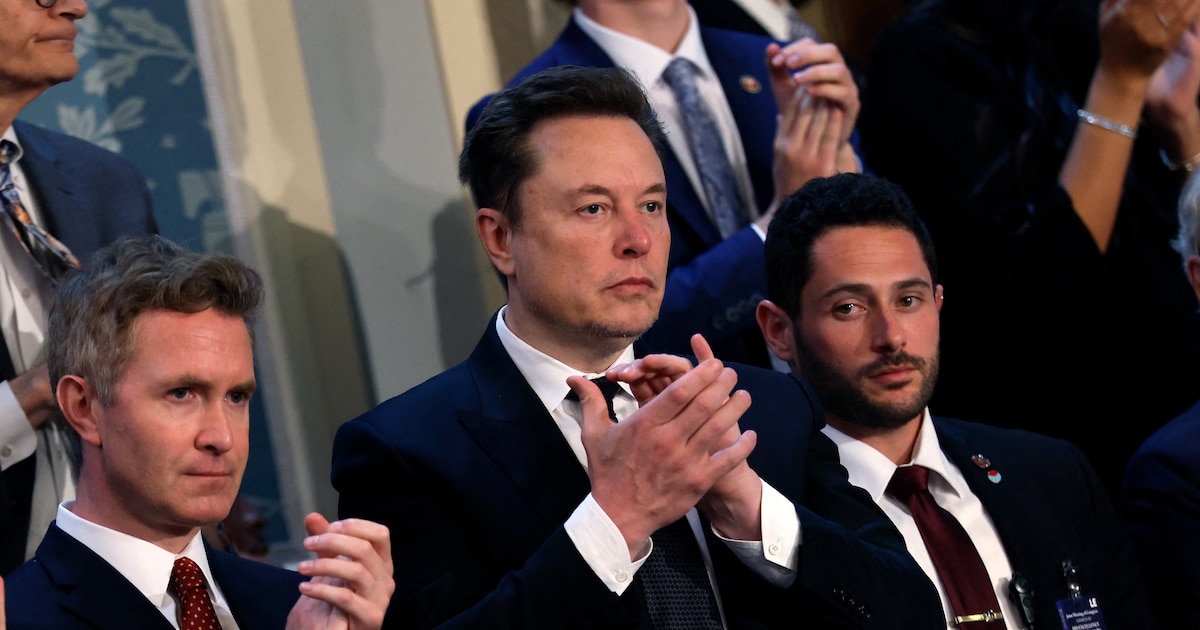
(192, 381)
(597, 189)
(858, 288)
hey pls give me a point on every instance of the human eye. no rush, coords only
(846, 309)
(179, 393)
(653, 206)
(238, 398)
(592, 209)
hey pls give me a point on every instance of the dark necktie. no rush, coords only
(608, 388)
(954, 555)
(679, 595)
(704, 140)
(196, 611)
(52, 256)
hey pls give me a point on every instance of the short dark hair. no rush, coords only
(496, 156)
(94, 308)
(822, 204)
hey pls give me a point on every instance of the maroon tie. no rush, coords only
(195, 608)
(954, 556)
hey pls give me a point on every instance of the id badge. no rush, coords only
(1081, 613)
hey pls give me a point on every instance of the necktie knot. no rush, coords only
(608, 388)
(190, 586)
(907, 481)
(8, 152)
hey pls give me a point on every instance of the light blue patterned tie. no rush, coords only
(704, 139)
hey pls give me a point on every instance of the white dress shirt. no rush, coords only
(593, 532)
(648, 62)
(24, 303)
(771, 14)
(146, 565)
(871, 470)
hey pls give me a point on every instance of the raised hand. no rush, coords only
(650, 375)
(650, 469)
(351, 581)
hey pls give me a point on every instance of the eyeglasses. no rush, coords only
(46, 4)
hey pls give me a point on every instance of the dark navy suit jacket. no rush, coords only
(1160, 503)
(88, 196)
(713, 286)
(66, 586)
(475, 482)
(1050, 506)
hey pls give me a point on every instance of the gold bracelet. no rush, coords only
(1186, 166)
(1104, 123)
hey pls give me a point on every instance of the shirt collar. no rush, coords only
(646, 60)
(146, 565)
(871, 470)
(545, 374)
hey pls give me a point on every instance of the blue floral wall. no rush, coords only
(139, 92)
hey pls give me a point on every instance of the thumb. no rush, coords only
(596, 422)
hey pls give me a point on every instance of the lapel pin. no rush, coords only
(750, 84)
(981, 461)
(994, 476)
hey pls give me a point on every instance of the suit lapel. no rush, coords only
(1008, 507)
(55, 182)
(92, 589)
(518, 434)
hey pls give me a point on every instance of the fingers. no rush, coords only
(596, 422)
(353, 569)
(701, 348)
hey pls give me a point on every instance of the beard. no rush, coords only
(844, 398)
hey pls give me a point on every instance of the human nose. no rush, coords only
(74, 9)
(216, 431)
(887, 332)
(633, 235)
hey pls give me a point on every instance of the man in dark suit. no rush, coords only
(516, 502)
(854, 309)
(1160, 492)
(151, 350)
(81, 194)
(715, 279)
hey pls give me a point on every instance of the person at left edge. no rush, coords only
(85, 196)
(513, 505)
(151, 349)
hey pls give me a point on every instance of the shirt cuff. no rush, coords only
(602, 545)
(18, 440)
(776, 557)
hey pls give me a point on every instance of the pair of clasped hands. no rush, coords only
(681, 449)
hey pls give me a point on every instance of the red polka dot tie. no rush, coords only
(189, 586)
